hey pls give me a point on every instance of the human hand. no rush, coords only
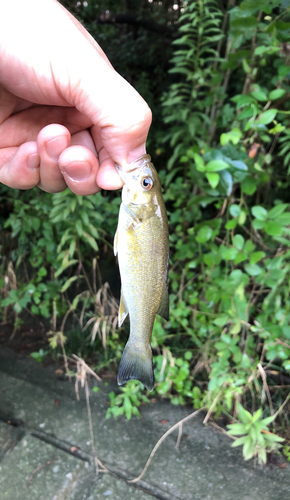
(66, 116)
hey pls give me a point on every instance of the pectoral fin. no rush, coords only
(116, 243)
(163, 310)
(123, 310)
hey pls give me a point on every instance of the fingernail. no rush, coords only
(136, 153)
(78, 171)
(33, 161)
(55, 146)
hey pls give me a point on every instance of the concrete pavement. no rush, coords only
(46, 452)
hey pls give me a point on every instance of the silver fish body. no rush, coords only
(142, 245)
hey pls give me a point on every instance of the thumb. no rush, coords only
(70, 69)
(120, 115)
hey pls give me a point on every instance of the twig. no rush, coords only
(82, 370)
(179, 436)
(88, 369)
(214, 424)
(212, 407)
(161, 441)
(265, 385)
(38, 469)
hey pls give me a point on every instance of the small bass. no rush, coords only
(142, 245)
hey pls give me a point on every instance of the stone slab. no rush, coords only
(204, 467)
(38, 471)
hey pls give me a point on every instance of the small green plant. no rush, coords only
(286, 451)
(39, 356)
(256, 438)
(127, 402)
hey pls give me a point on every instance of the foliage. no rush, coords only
(221, 142)
(127, 402)
(39, 356)
(256, 438)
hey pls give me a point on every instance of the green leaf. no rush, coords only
(242, 218)
(235, 210)
(213, 179)
(276, 94)
(233, 136)
(68, 283)
(226, 181)
(221, 320)
(238, 241)
(260, 95)
(229, 253)
(272, 228)
(239, 441)
(256, 256)
(277, 210)
(253, 269)
(199, 162)
(237, 429)
(283, 219)
(248, 449)
(216, 165)
(231, 224)
(204, 234)
(249, 185)
(244, 415)
(258, 224)
(267, 117)
(259, 212)
(79, 227)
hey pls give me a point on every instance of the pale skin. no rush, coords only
(66, 116)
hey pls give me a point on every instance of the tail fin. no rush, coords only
(136, 364)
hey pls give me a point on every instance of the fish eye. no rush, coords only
(147, 183)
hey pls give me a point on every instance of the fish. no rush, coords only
(142, 245)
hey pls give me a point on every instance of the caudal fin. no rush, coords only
(136, 364)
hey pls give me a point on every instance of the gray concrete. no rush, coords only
(52, 425)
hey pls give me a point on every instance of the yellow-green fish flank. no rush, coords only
(142, 245)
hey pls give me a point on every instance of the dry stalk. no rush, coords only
(265, 386)
(160, 441)
(212, 406)
(83, 370)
